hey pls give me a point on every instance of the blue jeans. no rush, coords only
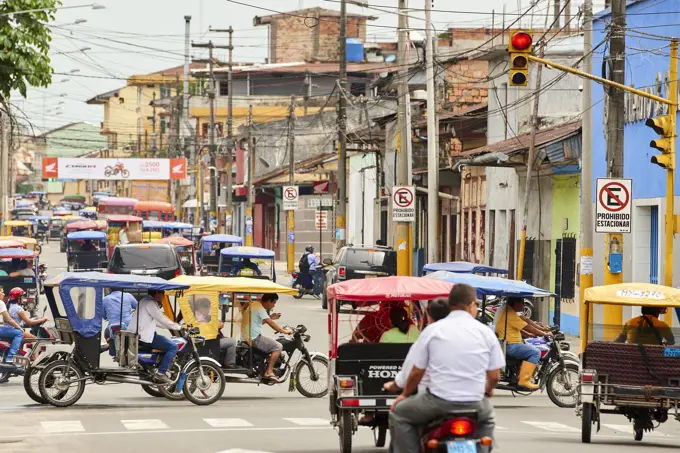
(524, 352)
(169, 348)
(16, 336)
(317, 276)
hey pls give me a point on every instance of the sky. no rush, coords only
(99, 49)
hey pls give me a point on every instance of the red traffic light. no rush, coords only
(521, 41)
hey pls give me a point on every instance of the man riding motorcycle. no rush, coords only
(463, 360)
(510, 323)
(12, 332)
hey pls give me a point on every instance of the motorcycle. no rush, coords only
(114, 170)
(27, 349)
(310, 369)
(457, 432)
(554, 368)
(304, 283)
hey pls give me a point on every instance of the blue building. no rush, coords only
(647, 68)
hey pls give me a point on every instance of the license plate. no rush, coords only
(461, 446)
(21, 361)
(371, 276)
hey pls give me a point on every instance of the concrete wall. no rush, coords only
(74, 140)
(361, 188)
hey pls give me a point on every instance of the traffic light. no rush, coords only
(662, 126)
(519, 47)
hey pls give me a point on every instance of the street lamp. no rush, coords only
(92, 5)
(73, 71)
(79, 21)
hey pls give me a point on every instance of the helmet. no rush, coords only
(310, 248)
(16, 293)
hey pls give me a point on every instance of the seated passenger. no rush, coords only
(245, 263)
(402, 330)
(227, 348)
(375, 323)
(12, 332)
(23, 271)
(88, 246)
(512, 316)
(647, 329)
(18, 314)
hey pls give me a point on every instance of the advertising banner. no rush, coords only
(114, 169)
(149, 190)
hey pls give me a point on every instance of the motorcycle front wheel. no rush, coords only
(200, 392)
(562, 383)
(305, 384)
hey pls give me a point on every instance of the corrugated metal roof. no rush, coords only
(521, 143)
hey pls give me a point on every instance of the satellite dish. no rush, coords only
(384, 75)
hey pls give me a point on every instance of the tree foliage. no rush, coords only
(24, 44)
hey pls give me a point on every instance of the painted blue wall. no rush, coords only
(644, 60)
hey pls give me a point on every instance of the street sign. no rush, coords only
(315, 202)
(321, 220)
(290, 198)
(404, 204)
(321, 187)
(613, 212)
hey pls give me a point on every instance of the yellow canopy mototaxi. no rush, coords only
(29, 243)
(21, 228)
(631, 369)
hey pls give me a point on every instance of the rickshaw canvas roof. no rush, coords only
(115, 281)
(463, 267)
(228, 238)
(17, 223)
(389, 288)
(25, 241)
(247, 252)
(81, 235)
(83, 225)
(178, 241)
(204, 285)
(17, 253)
(124, 218)
(179, 225)
(10, 243)
(491, 286)
(152, 224)
(634, 294)
(40, 217)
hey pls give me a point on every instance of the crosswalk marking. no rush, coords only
(63, 426)
(227, 422)
(142, 425)
(629, 429)
(500, 428)
(309, 421)
(553, 427)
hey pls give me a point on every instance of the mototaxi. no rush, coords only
(79, 258)
(152, 230)
(27, 243)
(185, 250)
(557, 370)
(116, 222)
(629, 370)
(303, 370)
(72, 225)
(233, 262)
(358, 370)
(20, 228)
(11, 260)
(75, 300)
(209, 251)
(88, 213)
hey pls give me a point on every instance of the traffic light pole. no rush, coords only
(670, 171)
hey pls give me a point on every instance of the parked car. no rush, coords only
(159, 260)
(359, 261)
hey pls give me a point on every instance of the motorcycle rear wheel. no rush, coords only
(345, 431)
(300, 292)
(31, 385)
(52, 374)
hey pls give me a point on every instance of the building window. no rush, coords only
(166, 92)
(224, 88)
(565, 267)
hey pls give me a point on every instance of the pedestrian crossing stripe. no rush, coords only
(62, 426)
(227, 422)
(553, 427)
(629, 429)
(144, 425)
(309, 421)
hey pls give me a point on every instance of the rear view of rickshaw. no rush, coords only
(631, 370)
(363, 359)
(209, 251)
(75, 300)
(42, 230)
(185, 249)
(86, 251)
(247, 262)
(19, 228)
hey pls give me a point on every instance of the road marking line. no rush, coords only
(553, 427)
(66, 426)
(241, 450)
(227, 422)
(144, 425)
(500, 428)
(309, 421)
(628, 429)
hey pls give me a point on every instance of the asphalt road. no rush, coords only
(251, 419)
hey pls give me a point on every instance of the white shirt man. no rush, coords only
(462, 358)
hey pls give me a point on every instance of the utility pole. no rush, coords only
(290, 255)
(229, 220)
(613, 315)
(340, 220)
(530, 165)
(403, 238)
(586, 233)
(432, 151)
(670, 172)
(153, 126)
(251, 180)
(186, 128)
(211, 133)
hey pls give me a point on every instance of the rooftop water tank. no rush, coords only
(355, 50)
